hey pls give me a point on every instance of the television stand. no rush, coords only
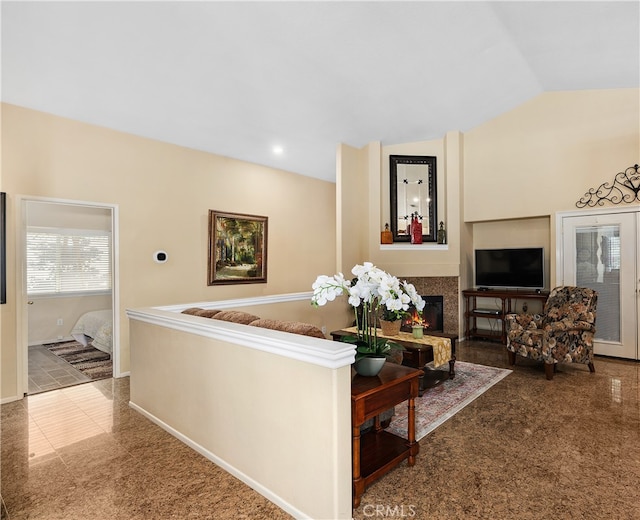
(497, 315)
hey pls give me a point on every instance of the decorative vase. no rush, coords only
(416, 230)
(442, 234)
(369, 366)
(390, 328)
(418, 331)
(386, 237)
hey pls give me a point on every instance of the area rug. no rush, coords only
(438, 404)
(92, 362)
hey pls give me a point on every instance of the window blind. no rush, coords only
(614, 252)
(63, 261)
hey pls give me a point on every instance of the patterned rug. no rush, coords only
(445, 400)
(92, 362)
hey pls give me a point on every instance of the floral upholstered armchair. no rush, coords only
(563, 333)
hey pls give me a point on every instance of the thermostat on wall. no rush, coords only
(160, 257)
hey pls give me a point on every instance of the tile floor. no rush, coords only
(49, 372)
(528, 448)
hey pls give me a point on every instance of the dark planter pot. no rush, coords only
(369, 366)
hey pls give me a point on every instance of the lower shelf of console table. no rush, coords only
(377, 451)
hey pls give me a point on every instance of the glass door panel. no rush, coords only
(598, 267)
(600, 252)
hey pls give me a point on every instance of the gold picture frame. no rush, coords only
(237, 248)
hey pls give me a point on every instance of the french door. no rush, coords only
(600, 250)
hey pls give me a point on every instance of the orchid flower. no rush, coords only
(371, 290)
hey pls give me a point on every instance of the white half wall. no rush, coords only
(272, 408)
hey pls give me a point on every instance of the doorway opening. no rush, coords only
(70, 318)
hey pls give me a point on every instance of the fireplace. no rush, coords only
(432, 315)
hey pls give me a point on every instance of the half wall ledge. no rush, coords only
(322, 352)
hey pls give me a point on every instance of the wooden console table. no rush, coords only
(378, 451)
(507, 297)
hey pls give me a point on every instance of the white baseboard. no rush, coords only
(267, 493)
(48, 341)
(7, 400)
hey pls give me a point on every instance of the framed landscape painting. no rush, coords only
(237, 248)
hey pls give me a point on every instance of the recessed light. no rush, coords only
(278, 150)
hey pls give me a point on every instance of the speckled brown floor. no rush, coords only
(528, 448)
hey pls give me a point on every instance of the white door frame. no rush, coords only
(22, 325)
(560, 216)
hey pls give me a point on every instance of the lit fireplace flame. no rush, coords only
(416, 319)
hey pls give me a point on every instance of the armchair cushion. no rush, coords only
(524, 321)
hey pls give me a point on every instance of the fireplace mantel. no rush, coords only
(414, 247)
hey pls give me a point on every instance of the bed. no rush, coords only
(95, 327)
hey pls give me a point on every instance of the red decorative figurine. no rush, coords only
(416, 230)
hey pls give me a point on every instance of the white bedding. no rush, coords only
(96, 326)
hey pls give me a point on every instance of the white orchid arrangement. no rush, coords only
(372, 290)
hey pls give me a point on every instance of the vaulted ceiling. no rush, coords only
(239, 78)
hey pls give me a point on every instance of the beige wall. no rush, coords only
(544, 155)
(352, 194)
(45, 214)
(44, 314)
(531, 232)
(163, 193)
(333, 316)
(526, 165)
(2, 311)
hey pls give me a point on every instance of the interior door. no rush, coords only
(600, 251)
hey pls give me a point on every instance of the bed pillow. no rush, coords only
(81, 338)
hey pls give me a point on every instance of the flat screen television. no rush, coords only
(510, 268)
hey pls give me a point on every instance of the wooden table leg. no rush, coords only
(411, 431)
(452, 362)
(358, 482)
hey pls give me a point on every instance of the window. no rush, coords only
(67, 261)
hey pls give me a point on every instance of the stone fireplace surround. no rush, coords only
(445, 286)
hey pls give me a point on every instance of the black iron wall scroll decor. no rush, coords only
(624, 188)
